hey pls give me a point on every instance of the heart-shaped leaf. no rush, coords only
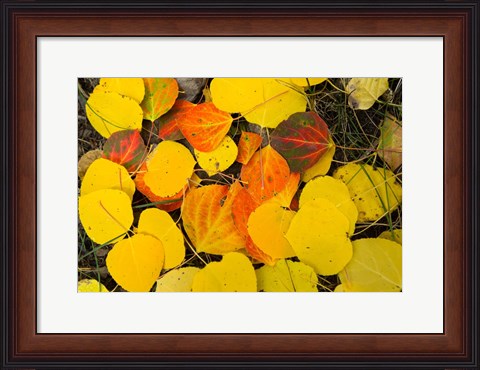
(376, 266)
(125, 148)
(204, 126)
(160, 95)
(302, 140)
(105, 174)
(106, 215)
(208, 221)
(135, 262)
(266, 174)
(234, 273)
(364, 92)
(318, 234)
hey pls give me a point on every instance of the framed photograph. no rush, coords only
(73, 72)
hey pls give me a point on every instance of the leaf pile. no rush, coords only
(244, 190)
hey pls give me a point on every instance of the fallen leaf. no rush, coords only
(247, 146)
(204, 126)
(305, 82)
(267, 226)
(390, 142)
(131, 87)
(90, 286)
(243, 205)
(109, 112)
(160, 224)
(168, 128)
(178, 280)
(264, 101)
(220, 158)
(374, 192)
(376, 266)
(105, 174)
(234, 273)
(286, 276)
(318, 234)
(302, 139)
(336, 192)
(160, 95)
(106, 215)
(257, 254)
(168, 168)
(208, 221)
(135, 262)
(364, 92)
(322, 166)
(394, 235)
(266, 174)
(285, 197)
(86, 160)
(167, 204)
(125, 148)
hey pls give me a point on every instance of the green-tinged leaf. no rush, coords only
(125, 148)
(160, 95)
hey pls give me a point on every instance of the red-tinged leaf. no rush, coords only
(302, 139)
(167, 204)
(284, 198)
(247, 145)
(168, 128)
(205, 126)
(243, 205)
(257, 253)
(266, 174)
(160, 95)
(125, 148)
(208, 221)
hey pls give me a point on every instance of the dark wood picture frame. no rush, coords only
(457, 22)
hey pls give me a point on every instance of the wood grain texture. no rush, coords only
(453, 348)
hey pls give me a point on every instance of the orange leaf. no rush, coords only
(248, 144)
(284, 198)
(204, 126)
(242, 206)
(266, 174)
(208, 221)
(160, 95)
(167, 204)
(257, 253)
(168, 128)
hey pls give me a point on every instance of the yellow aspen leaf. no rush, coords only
(106, 215)
(322, 166)
(364, 92)
(160, 224)
(284, 198)
(376, 266)
(318, 234)
(305, 82)
(394, 235)
(267, 226)
(208, 221)
(266, 174)
(264, 101)
(168, 168)
(105, 174)
(339, 288)
(286, 276)
(131, 87)
(86, 160)
(336, 192)
(234, 273)
(247, 146)
(135, 262)
(90, 286)
(109, 112)
(220, 158)
(160, 96)
(178, 280)
(390, 142)
(374, 191)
